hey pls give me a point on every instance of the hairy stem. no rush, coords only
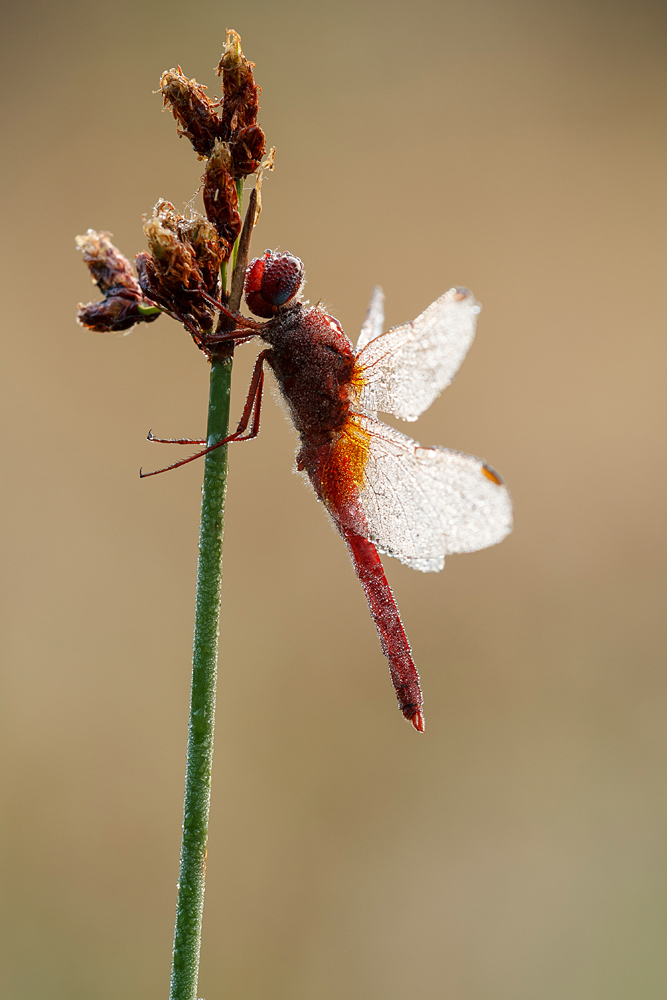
(187, 931)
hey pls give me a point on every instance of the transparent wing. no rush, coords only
(374, 321)
(404, 370)
(424, 503)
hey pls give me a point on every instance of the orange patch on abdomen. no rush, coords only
(344, 471)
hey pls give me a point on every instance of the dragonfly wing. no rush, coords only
(404, 370)
(372, 326)
(421, 504)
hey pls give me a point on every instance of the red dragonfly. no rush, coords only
(383, 491)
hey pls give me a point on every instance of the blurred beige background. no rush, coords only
(518, 850)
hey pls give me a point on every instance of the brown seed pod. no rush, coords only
(123, 304)
(115, 313)
(200, 234)
(247, 147)
(172, 268)
(204, 240)
(106, 263)
(182, 301)
(195, 113)
(150, 280)
(220, 198)
(174, 258)
(240, 92)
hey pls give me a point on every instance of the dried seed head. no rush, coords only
(176, 272)
(167, 215)
(181, 273)
(220, 198)
(173, 257)
(150, 279)
(115, 313)
(240, 92)
(197, 115)
(199, 233)
(193, 110)
(204, 240)
(106, 263)
(123, 304)
(185, 304)
(247, 147)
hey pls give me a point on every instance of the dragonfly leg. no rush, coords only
(151, 437)
(253, 403)
(244, 328)
(393, 639)
(252, 408)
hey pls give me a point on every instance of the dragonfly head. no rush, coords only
(272, 282)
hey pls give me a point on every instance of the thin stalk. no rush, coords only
(239, 195)
(190, 905)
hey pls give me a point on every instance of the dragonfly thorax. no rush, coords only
(313, 361)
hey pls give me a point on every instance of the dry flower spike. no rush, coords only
(124, 303)
(193, 110)
(240, 93)
(180, 273)
(197, 115)
(220, 196)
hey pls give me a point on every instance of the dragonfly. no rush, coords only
(384, 492)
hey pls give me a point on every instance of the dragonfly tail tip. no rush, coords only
(417, 721)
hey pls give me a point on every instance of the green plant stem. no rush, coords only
(187, 931)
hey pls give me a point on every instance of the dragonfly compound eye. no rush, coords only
(272, 281)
